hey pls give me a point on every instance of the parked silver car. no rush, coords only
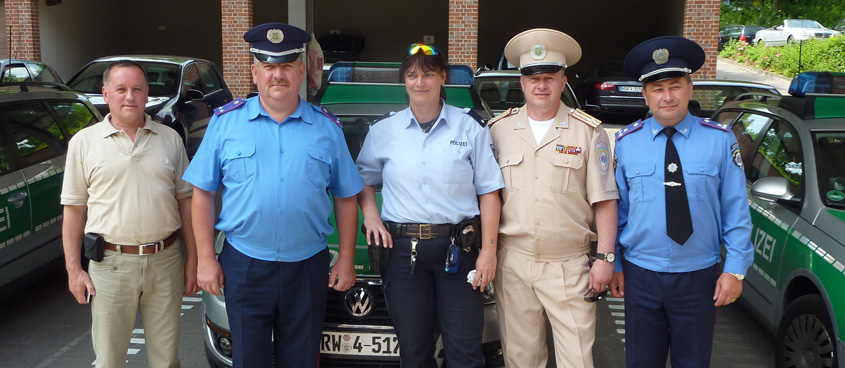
(793, 30)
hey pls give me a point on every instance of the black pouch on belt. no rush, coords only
(94, 246)
(377, 253)
(469, 233)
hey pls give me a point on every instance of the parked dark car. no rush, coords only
(183, 91)
(743, 33)
(501, 90)
(36, 123)
(14, 70)
(605, 89)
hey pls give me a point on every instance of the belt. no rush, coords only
(143, 249)
(420, 231)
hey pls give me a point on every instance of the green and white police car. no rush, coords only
(793, 152)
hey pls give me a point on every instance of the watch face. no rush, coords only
(610, 257)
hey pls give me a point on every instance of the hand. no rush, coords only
(617, 285)
(80, 285)
(376, 230)
(485, 268)
(342, 276)
(600, 275)
(728, 289)
(210, 276)
(191, 286)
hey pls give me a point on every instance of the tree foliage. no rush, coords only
(768, 13)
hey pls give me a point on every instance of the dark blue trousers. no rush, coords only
(431, 298)
(282, 300)
(669, 312)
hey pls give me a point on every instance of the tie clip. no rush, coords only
(672, 183)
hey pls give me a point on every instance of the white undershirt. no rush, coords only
(540, 127)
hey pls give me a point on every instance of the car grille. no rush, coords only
(338, 313)
(823, 35)
(344, 363)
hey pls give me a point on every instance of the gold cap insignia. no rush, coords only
(538, 51)
(275, 36)
(660, 56)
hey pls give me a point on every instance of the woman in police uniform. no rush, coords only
(439, 176)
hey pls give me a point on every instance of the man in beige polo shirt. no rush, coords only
(556, 164)
(123, 181)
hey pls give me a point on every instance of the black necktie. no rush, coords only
(678, 220)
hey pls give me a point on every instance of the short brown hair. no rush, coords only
(123, 64)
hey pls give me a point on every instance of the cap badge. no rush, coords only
(275, 36)
(538, 51)
(660, 56)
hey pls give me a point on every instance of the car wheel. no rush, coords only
(805, 335)
(790, 39)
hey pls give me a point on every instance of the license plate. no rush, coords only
(362, 344)
(636, 89)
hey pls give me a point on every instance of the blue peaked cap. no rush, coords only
(663, 58)
(277, 42)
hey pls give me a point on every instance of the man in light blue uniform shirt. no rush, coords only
(676, 211)
(277, 158)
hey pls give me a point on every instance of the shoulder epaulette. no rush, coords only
(713, 124)
(633, 127)
(584, 117)
(473, 114)
(329, 115)
(385, 116)
(236, 103)
(508, 112)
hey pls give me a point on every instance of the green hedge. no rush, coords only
(817, 55)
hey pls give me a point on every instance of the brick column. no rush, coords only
(22, 16)
(463, 32)
(236, 20)
(701, 24)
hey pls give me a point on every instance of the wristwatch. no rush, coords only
(738, 276)
(608, 257)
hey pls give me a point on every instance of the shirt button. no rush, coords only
(638, 171)
(507, 161)
(566, 161)
(423, 163)
(701, 169)
(536, 200)
(538, 224)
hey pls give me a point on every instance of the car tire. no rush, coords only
(790, 40)
(805, 335)
(760, 42)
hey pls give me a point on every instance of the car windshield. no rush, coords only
(830, 150)
(803, 23)
(751, 30)
(504, 92)
(163, 78)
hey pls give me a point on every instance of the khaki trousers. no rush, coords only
(124, 282)
(527, 292)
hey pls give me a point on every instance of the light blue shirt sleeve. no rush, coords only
(488, 175)
(736, 215)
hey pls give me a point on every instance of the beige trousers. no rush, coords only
(123, 282)
(527, 292)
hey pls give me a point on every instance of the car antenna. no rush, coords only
(10, 43)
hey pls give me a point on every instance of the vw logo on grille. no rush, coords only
(358, 302)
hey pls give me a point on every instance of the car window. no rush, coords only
(747, 128)
(830, 158)
(779, 155)
(34, 131)
(191, 79)
(162, 78)
(40, 73)
(74, 115)
(209, 77)
(15, 73)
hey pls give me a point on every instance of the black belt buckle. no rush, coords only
(423, 232)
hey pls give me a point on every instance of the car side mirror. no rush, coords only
(579, 75)
(192, 95)
(774, 189)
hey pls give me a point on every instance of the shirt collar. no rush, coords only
(683, 127)
(254, 109)
(106, 129)
(412, 121)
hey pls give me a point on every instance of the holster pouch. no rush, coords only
(94, 246)
(469, 233)
(378, 255)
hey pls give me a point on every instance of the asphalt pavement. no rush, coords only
(727, 69)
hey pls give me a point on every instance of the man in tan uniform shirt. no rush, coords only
(556, 164)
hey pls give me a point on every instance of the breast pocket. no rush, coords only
(239, 163)
(318, 166)
(563, 178)
(511, 166)
(642, 185)
(457, 167)
(701, 178)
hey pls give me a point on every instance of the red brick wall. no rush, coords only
(701, 24)
(22, 16)
(463, 32)
(236, 20)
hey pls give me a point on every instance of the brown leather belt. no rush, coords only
(420, 231)
(143, 249)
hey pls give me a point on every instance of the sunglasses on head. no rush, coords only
(425, 49)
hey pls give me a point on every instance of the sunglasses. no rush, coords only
(592, 296)
(425, 49)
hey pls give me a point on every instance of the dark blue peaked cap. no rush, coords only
(277, 42)
(663, 58)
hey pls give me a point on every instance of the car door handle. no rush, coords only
(17, 199)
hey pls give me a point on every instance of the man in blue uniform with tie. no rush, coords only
(277, 159)
(682, 196)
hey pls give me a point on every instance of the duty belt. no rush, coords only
(420, 231)
(143, 249)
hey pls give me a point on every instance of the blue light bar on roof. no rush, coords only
(817, 83)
